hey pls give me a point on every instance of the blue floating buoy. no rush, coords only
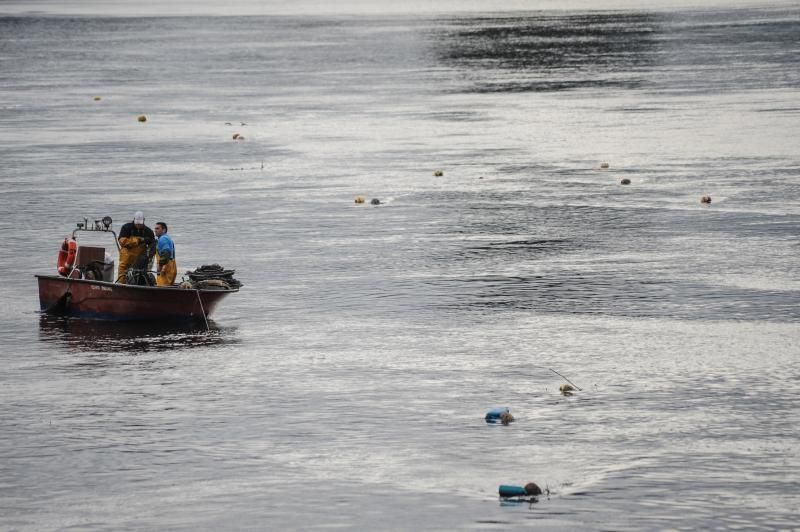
(512, 491)
(531, 489)
(495, 415)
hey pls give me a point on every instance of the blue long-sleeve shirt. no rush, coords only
(165, 249)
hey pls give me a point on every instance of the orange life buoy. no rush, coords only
(66, 256)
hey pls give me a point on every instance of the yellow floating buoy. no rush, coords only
(604, 166)
(360, 199)
(97, 98)
(438, 173)
(566, 389)
(142, 118)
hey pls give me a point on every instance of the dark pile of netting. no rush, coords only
(212, 276)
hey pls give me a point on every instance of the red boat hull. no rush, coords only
(119, 302)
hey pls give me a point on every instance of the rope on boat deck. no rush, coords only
(202, 309)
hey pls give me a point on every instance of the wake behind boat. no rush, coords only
(84, 287)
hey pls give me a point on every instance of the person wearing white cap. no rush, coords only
(134, 238)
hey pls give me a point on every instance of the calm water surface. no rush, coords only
(345, 385)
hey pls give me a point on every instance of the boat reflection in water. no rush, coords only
(96, 335)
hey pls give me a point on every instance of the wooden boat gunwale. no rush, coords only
(130, 302)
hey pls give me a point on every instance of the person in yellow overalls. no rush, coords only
(167, 269)
(133, 240)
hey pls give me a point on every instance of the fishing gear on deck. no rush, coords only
(139, 274)
(212, 276)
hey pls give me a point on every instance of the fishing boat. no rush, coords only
(84, 287)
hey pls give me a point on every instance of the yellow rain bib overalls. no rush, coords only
(132, 244)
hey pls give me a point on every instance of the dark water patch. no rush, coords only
(530, 168)
(579, 51)
(137, 337)
(734, 49)
(553, 86)
(639, 109)
(457, 116)
(618, 294)
(519, 248)
(547, 43)
(734, 30)
(778, 110)
(620, 50)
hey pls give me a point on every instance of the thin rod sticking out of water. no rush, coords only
(566, 379)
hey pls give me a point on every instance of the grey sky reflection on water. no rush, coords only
(349, 7)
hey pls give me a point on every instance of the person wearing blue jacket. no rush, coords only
(165, 250)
